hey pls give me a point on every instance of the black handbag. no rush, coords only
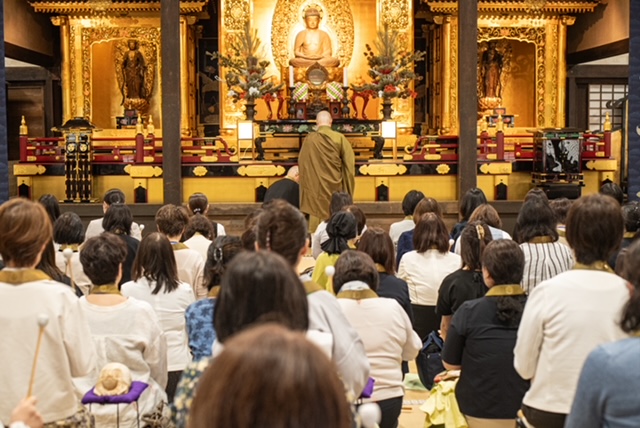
(429, 360)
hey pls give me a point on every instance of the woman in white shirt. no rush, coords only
(155, 280)
(569, 315)
(25, 294)
(383, 326)
(124, 330)
(424, 269)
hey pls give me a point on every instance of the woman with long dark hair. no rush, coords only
(481, 339)
(155, 280)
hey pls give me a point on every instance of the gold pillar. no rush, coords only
(445, 89)
(65, 45)
(563, 23)
(187, 62)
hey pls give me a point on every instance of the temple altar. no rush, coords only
(315, 56)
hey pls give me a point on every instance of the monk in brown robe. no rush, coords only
(327, 165)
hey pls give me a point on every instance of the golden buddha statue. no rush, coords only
(313, 44)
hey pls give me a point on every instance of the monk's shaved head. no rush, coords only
(324, 118)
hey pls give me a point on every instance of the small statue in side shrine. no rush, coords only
(133, 72)
(491, 72)
(313, 44)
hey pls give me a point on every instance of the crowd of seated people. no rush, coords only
(226, 331)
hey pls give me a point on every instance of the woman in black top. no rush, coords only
(466, 283)
(481, 339)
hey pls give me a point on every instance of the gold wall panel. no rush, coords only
(221, 189)
(365, 190)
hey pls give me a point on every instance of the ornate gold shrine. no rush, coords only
(350, 24)
(94, 40)
(537, 38)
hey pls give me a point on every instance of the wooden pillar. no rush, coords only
(634, 101)
(467, 94)
(171, 109)
(4, 144)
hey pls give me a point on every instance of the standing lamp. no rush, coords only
(245, 133)
(389, 131)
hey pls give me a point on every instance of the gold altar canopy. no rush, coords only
(349, 24)
(527, 39)
(110, 59)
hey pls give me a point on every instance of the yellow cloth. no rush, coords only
(442, 407)
(327, 165)
(319, 275)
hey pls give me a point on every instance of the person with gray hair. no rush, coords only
(327, 165)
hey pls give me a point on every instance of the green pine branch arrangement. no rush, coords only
(390, 67)
(246, 67)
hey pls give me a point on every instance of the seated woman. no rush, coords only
(471, 200)
(118, 220)
(544, 256)
(199, 315)
(488, 215)
(339, 200)
(124, 330)
(405, 242)
(68, 232)
(569, 315)
(609, 383)
(466, 283)
(199, 234)
(383, 326)
(257, 287)
(25, 295)
(155, 281)
(293, 384)
(379, 246)
(342, 230)
(199, 204)
(424, 269)
(481, 339)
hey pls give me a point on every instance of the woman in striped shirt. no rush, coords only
(536, 233)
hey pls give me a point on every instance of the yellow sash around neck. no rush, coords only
(599, 265)
(105, 289)
(505, 290)
(22, 276)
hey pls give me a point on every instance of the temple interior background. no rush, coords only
(545, 102)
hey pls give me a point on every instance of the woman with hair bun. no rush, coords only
(481, 339)
(199, 204)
